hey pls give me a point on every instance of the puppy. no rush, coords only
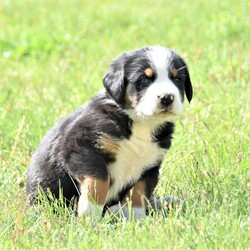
(112, 147)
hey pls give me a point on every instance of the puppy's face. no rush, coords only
(150, 81)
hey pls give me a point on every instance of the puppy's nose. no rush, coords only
(167, 99)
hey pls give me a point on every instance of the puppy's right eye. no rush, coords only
(145, 81)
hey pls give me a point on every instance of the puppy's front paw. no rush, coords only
(128, 212)
(88, 208)
(134, 212)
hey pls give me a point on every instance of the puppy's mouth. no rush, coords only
(167, 112)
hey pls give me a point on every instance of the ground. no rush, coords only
(53, 55)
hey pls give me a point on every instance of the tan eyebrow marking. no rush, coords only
(149, 72)
(174, 72)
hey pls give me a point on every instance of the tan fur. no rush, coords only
(95, 190)
(138, 196)
(174, 72)
(108, 144)
(149, 72)
(130, 100)
(134, 102)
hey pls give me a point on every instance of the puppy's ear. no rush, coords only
(188, 89)
(188, 85)
(114, 81)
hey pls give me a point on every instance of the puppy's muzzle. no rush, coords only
(166, 100)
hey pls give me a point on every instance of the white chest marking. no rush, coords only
(134, 157)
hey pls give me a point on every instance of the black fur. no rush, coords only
(114, 80)
(163, 135)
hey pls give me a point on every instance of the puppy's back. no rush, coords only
(46, 170)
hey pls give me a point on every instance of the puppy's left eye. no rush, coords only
(177, 80)
(145, 81)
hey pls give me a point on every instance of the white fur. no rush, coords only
(136, 212)
(149, 105)
(160, 57)
(127, 212)
(135, 155)
(87, 208)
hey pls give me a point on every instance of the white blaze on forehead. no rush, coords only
(160, 57)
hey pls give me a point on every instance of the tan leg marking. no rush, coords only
(137, 194)
(95, 189)
(93, 196)
(134, 201)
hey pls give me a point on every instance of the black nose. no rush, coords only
(167, 99)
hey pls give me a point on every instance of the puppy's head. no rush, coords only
(149, 81)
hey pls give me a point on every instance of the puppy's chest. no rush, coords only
(134, 156)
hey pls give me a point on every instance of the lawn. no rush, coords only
(53, 55)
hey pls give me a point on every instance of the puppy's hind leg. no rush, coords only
(93, 196)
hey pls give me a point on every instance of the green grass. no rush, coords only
(53, 55)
